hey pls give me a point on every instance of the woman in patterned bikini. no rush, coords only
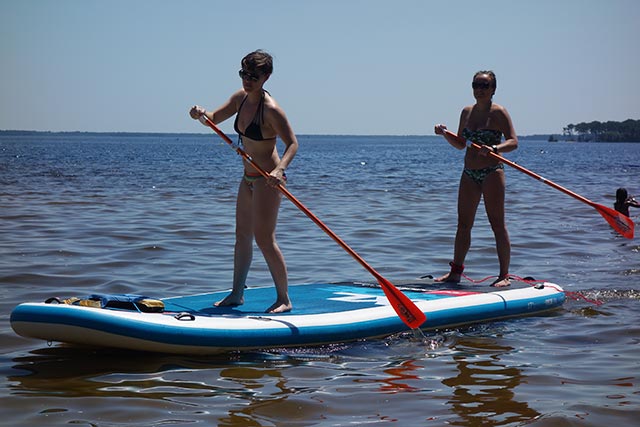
(483, 176)
(259, 120)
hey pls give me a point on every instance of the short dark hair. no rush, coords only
(258, 61)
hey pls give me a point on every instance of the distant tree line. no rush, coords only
(627, 131)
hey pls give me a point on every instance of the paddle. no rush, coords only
(410, 314)
(620, 222)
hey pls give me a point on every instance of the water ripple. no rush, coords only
(154, 215)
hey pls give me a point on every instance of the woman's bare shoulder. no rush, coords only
(271, 106)
(238, 95)
(497, 108)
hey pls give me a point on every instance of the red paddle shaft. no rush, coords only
(618, 221)
(410, 314)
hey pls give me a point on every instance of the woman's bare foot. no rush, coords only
(453, 276)
(230, 301)
(450, 277)
(501, 282)
(279, 307)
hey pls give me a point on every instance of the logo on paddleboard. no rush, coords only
(351, 297)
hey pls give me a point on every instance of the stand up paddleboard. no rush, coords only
(323, 313)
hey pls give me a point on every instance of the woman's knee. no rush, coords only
(465, 224)
(265, 241)
(498, 226)
(244, 235)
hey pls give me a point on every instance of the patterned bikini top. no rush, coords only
(483, 136)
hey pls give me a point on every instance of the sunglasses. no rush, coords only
(247, 75)
(481, 85)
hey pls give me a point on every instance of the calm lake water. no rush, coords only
(154, 214)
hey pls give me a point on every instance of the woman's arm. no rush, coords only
(226, 110)
(456, 141)
(510, 142)
(279, 122)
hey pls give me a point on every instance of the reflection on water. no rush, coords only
(63, 370)
(239, 384)
(269, 385)
(400, 375)
(484, 387)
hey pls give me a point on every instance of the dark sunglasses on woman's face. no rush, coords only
(480, 85)
(247, 75)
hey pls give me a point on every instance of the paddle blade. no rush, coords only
(410, 314)
(619, 221)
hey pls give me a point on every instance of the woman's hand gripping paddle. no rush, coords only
(618, 221)
(410, 314)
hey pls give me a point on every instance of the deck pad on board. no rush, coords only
(306, 299)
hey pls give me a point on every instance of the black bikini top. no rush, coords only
(254, 130)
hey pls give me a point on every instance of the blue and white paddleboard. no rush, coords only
(323, 313)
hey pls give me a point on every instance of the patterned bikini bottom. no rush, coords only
(478, 175)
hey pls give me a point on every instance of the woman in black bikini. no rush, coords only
(259, 120)
(483, 176)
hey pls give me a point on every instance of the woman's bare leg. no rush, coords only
(469, 194)
(266, 205)
(494, 199)
(243, 251)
